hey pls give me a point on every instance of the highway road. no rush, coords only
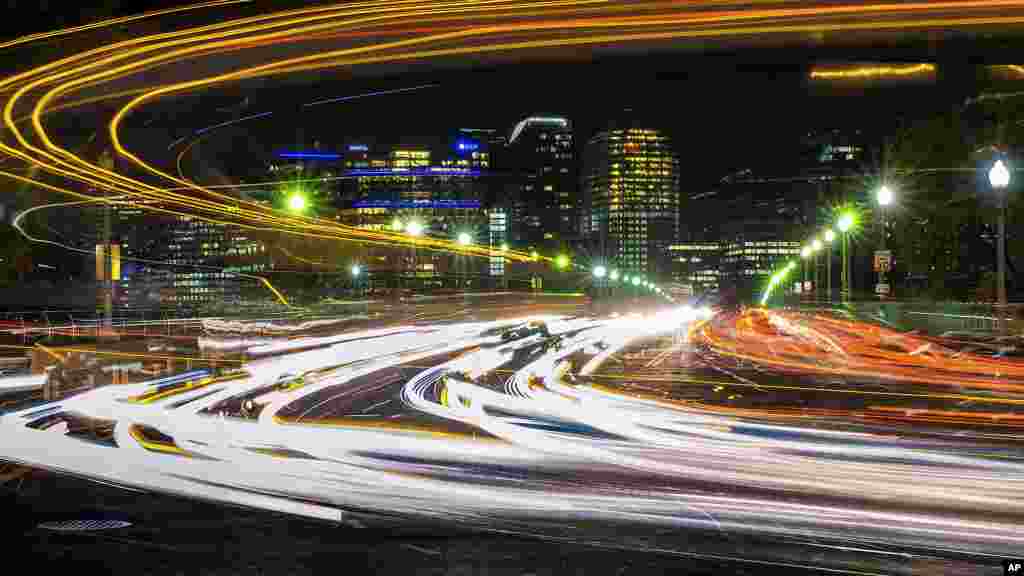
(640, 424)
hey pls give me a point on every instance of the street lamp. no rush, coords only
(414, 228)
(884, 198)
(504, 247)
(830, 236)
(614, 275)
(999, 178)
(600, 271)
(562, 261)
(465, 239)
(845, 224)
(356, 270)
(296, 202)
(636, 280)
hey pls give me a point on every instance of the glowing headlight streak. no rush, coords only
(873, 71)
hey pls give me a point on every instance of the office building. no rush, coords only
(631, 192)
(209, 263)
(441, 187)
(542, 200)
(696, 267)
(752, 250)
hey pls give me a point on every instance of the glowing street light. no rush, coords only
(356, 270)
(884, 196)
(636, 280)
(534, 255)
(465, 239)
(845, 222)
(504, 247)
(562, 261)
(999, 178)
(396, 225)
(600, 271)
(816, 245)
(297, 202)
(614, 275)
(999, 175)
(805, 252)
(829, 235)
(414, 228)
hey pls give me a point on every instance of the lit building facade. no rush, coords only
(205, 260)
(631, 192)
(543, 200)
(752, 250)
(137, 237)
(696, 267)
(442, 189)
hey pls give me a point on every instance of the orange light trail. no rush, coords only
(410, 30)
(821, 345)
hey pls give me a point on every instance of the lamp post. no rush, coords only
(816, 247)
(884, 198)
(356, 271)
(845, 223)
(415, 229)
(999, 179)
(805, 253)
(829, 237)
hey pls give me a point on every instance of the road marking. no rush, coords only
(427, 551)
(377, 404)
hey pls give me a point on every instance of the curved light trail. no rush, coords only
(454, 421)
(460, 423)
(469, 27)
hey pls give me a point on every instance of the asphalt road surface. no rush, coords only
(689, 441)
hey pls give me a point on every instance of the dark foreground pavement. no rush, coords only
(171, 535)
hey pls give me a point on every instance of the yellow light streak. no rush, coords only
(74, 167)
(874, 71)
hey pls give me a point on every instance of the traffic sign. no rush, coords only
(883, 260)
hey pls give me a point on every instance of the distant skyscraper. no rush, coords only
(543, 203)
(631, 191)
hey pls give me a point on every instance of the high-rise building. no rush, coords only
(631, 192)
(543, 202)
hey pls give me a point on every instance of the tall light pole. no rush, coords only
(829, 237)
(805, 254)
(845, 223)
(816, 246)
(599, 273)
(884, 198)
(999, 178)
(356, 271)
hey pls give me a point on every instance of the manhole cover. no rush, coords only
(84, 525)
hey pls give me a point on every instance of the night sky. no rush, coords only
(726, 108)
